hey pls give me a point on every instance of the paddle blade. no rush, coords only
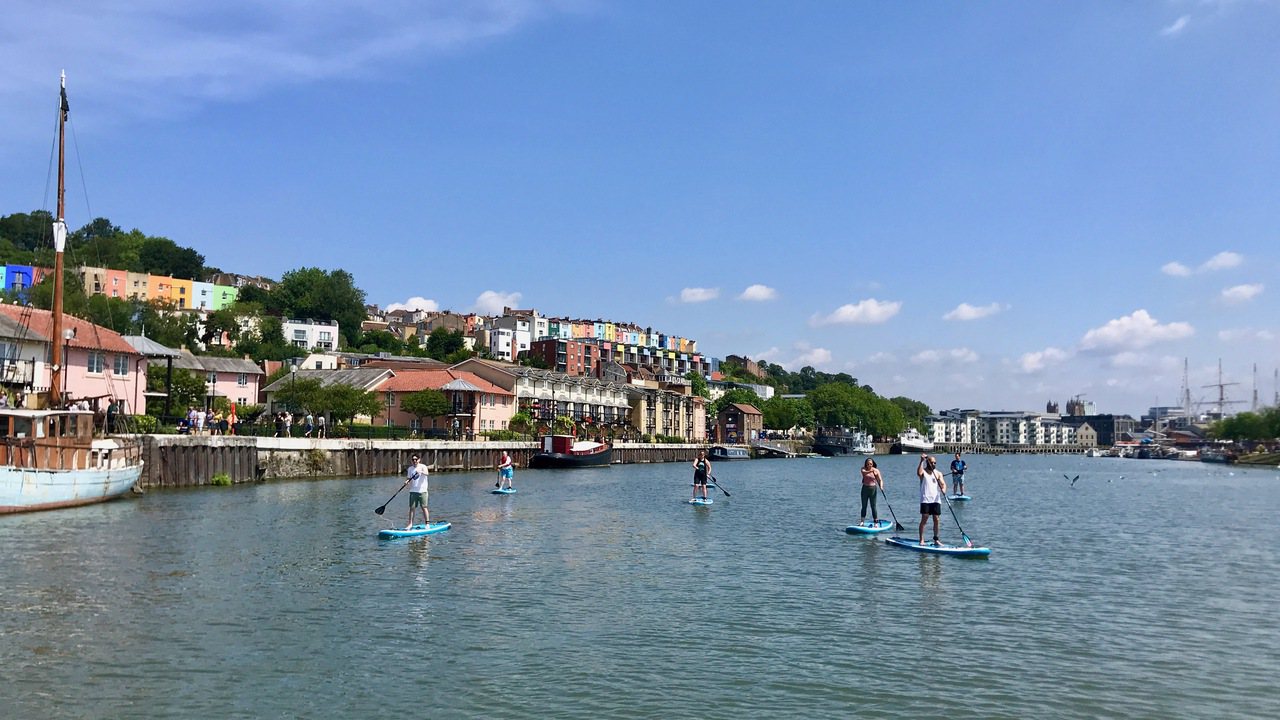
(967, 541)
(380, 510)
(900, 528)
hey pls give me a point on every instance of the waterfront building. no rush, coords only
(572, 357)
(546, 394)
(739, 423)
(311, 334)
(475, 404)
(236, 379)
(1086, 436)
(1010, 428)
(1110, 428)
(98, 364)
(717, 388)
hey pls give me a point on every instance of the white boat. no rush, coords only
(1094, 452)
(910, 440)
(50, 458)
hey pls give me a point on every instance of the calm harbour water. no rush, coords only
(1144, 591)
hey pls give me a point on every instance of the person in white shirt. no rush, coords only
(417, 482)
(932, 487)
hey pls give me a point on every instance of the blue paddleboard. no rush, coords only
(958, 550)
(700, 501)
(414, 531)
(503, 491)
(959, 498)
(869, 528)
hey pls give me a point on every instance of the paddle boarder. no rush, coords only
(506, 470)
(417, 482)
(932, 486)
(701, 471)
(957, 471)
(871, 481)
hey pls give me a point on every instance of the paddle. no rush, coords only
(383, 509)
(716, 483)
(967, 541)
(897, 525)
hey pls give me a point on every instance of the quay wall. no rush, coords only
(183, 461)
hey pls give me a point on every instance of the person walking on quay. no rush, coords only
(957, 471)
(288, 424)
(417, 482)
(320, 422)
(506, 470)
(701, 471)
(871, 481)
(932, 487)
(308, 424)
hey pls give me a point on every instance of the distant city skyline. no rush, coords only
(973, 205)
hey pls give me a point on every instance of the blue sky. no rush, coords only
(973, 204)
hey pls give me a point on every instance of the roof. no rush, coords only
(84, 334)
(363, 378)
(444, 379)
(149, 347)
(213, 363)
(747, 409)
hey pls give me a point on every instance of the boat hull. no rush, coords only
(571, 460)
(27, 490)
(723, 453)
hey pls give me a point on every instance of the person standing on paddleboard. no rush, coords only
(701, 471)
(871, 481)
(932, 487)
(506, 470)
(417, 482)
(957, 472)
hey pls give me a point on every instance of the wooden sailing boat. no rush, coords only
(50, 458)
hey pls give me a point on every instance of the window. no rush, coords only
(242, 380)
(212, 377)
(97, 361)
(121, 365)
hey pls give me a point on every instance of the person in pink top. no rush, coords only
(871, 481)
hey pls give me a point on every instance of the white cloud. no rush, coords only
(492, 302)
(1040, 359)
(882, 357)
(865, 312)
(697, 295)
(1134, 332)
(929, 357)
(416, 303)
(1177, 27)
(1222, 261)
(1129, 358)
(1241, 293)
(758, 293)
(817, 357)
(1176, 269)
(965, 311)
(1236, 334)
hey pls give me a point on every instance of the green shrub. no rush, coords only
(221, 479)
(144, 424)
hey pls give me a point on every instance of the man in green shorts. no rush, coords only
(417, 482)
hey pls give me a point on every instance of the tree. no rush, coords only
(785, 413)
(301, 394)
(914, 412)
(736, 395)
(189, 390)
(520, 422)
(344, 402)
(699, 384)
(443, 342)
(425, 403)
(314, 294)
(221, 322)
(376, 341)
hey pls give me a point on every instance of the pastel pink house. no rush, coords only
(99, 366)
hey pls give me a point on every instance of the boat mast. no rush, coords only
(59, 244)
